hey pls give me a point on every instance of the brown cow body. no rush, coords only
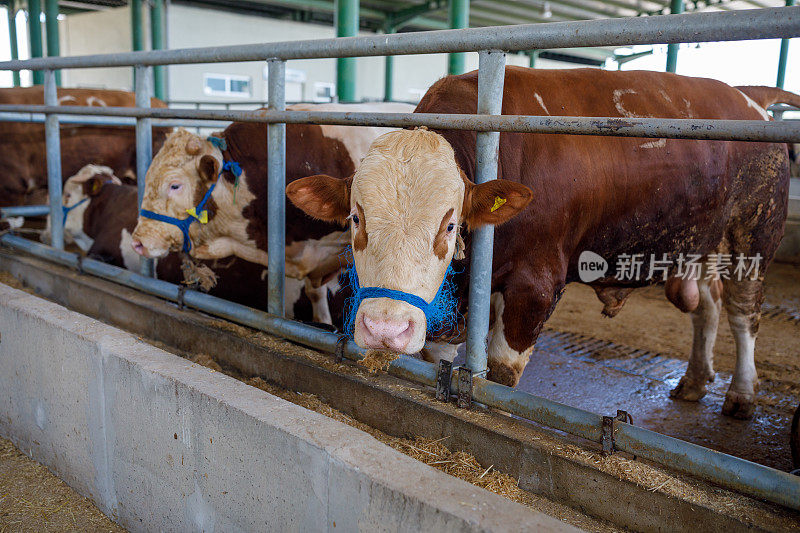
(22, 148)
(617, 196)
(613, 196)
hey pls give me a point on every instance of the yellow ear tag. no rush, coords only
(203, 218)
(498, 203)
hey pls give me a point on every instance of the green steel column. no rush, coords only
(784, 54)
(12, 37)
(346, 26)
(459, 18)
(388, 73)
(157, 38)
(35, 32)
(137, 37)
(533, 55)
(51, 28)
(675, 7)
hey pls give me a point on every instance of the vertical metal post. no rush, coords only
(276, 190)
(144, 141)
(157, 43)
(388, 73)
(783, 57)
(137, 38)
(491, 77)
(51, 28)
(52, 140)
(12, 38)
(346, 26)
(35, 33)
(675, 7)
(533, 55)
(459, 18)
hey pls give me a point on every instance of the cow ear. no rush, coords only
(322, 197)
(208, 167)
(494, 202)
(92, 186)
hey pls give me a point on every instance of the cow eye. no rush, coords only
(451, 227)
(355, 220)
(175, 186)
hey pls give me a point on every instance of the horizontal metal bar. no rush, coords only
(775, 23)
(25, 211)
(725, 470)
(734, 130)
(39, 118)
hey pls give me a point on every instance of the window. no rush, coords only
(226, 85)
(324, 91)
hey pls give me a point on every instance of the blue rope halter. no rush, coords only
(66, 209)
(185, 223)
(441, 312)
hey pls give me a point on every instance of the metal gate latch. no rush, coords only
(443, 380)
(608, 430)
(464, 398)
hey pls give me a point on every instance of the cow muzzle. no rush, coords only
(389, 325)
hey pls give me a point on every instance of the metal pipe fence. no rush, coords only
(731, 472)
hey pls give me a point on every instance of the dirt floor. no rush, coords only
(33, 499)
(649, 323)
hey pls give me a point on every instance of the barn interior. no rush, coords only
(582, 359)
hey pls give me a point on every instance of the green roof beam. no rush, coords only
(398, 19)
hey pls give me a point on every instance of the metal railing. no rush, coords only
(725, 470)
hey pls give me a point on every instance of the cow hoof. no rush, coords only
(689, 389)
(503, 374)
(739, 405)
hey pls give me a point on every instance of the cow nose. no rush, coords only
(386, 333)
(138, 247)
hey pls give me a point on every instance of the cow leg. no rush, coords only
(743, 303)
(433, 352)
(705, 319)
(319, 302)
(506, 364)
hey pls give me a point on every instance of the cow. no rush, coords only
(559, 196)
(99, 216)
(226, 176)
(22, 145)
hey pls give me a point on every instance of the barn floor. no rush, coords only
(632, 361)
(33, 499)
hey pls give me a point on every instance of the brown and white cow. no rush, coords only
(22, 150)
(186, 167)
(101, 215)
(570, 194)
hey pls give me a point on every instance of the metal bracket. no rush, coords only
(464, 398)
(443, 376)
(181, 294)
(340, 344)
(608, 430)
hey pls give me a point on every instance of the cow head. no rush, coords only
(405, 204)
(77, 194)
(178, 178)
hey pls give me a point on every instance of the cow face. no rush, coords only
(176, 181)
(77, 193)
(405, 205)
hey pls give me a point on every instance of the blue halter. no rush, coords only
(440, 313)
(66, 209)
(185, 223)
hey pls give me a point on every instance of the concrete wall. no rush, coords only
(189, 27)
(99, 32)
(162, 444)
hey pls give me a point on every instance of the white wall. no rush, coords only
(99, 32)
